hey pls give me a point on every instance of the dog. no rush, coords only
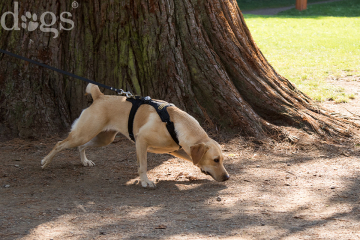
(108, 115)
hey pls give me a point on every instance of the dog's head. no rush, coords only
(209, 158)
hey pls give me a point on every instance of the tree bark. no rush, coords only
(197, 54)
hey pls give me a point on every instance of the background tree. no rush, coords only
(198, 54)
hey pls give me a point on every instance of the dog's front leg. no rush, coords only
(141, 153)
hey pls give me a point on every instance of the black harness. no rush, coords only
(160, 108)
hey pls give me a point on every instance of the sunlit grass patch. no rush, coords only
(307, 50)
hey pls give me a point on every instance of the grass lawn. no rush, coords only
(311, 46)
(246, 5)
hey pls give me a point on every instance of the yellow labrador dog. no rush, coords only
(108, 115)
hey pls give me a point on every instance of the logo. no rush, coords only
(30, 21)
(162, 106)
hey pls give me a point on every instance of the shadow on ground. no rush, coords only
(281, 193)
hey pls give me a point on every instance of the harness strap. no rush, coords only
(160, 108)
(136, 103)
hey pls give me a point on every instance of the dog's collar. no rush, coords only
(161, 109)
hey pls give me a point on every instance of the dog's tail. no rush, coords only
(94, 91)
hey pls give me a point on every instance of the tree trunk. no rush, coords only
(197, 54)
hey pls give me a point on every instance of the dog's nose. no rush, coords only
(226, 177)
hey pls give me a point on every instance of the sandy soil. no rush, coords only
(276, 191)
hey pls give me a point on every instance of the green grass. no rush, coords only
(307, 47)
(348, 8)
(246, 5)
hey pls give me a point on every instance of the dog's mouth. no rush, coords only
(206, 172)
(224, 177)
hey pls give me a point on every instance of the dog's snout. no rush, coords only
(226, 177)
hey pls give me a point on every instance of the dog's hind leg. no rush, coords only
(84, 129)
(69, 142)
(102, 139)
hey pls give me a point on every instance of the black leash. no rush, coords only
(160, 108)
(119, 91)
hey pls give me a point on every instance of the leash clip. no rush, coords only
(122, 92)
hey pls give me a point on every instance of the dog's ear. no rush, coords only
(197, 152)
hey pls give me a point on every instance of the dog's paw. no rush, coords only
(88, 162)
(44, 163)
(148, 184)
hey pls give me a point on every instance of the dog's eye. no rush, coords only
(216, 160)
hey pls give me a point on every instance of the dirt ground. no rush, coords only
(276, 191)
